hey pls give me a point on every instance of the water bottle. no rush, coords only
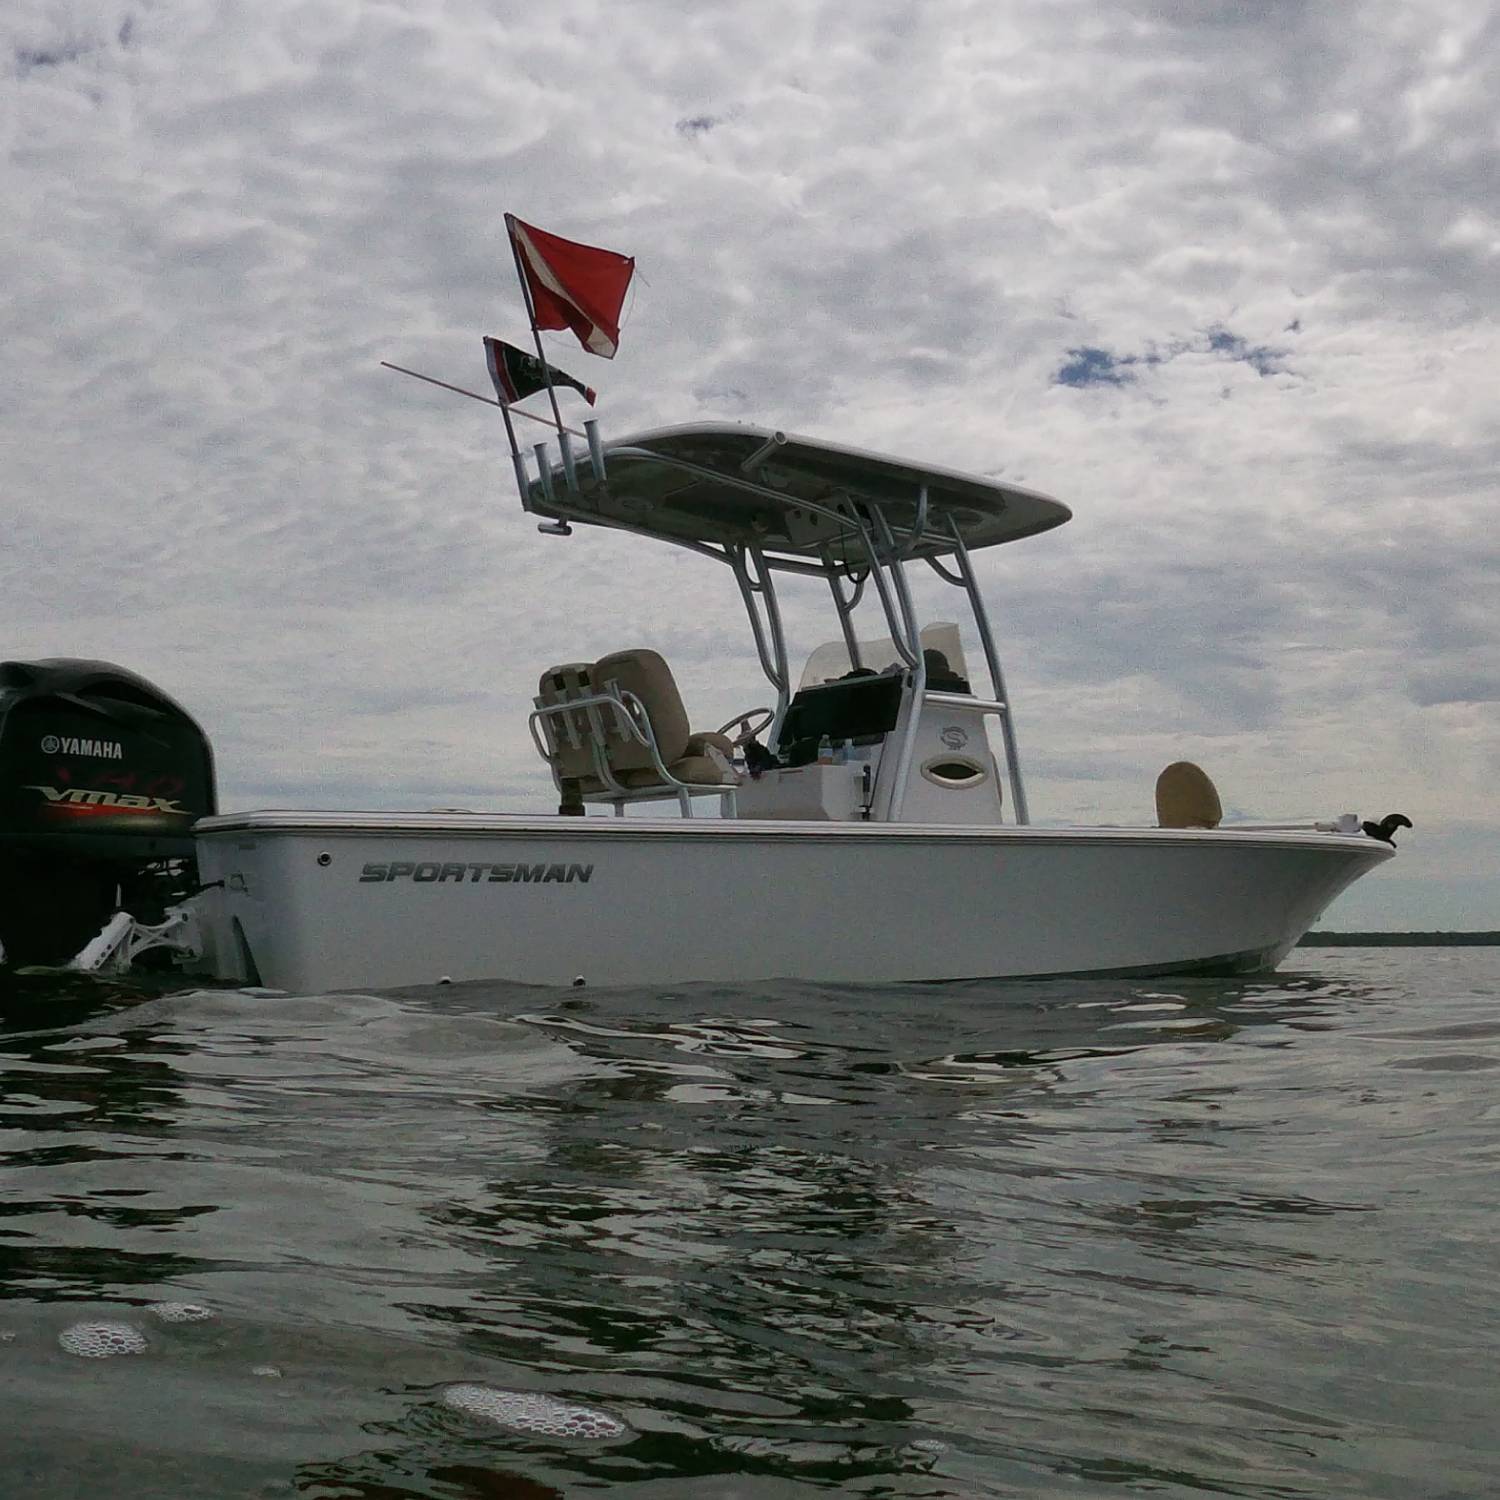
(825, 752)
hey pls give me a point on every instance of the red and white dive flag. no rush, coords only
(518, 374)
(573, 286)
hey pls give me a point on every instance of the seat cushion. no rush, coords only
(1187, 798)
(698, 743)
(702, 770)
(645, 674)
(696, 770)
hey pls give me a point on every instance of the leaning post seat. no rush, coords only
(700, 759)
(615, 731)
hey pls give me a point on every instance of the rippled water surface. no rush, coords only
(976, 1240)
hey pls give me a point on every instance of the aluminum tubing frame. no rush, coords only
(773, 662)
(997, 676)
(630, 714)
(845, 607)
(911, 647)
(899, 611)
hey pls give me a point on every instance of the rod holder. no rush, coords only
(755, 460)
(544, 471)
(523, 479)
(570, 474)
(596, 448)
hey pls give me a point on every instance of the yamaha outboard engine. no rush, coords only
(102, 776)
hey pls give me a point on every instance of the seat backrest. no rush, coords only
(1186, 797)
(644, 673)
(572, 755)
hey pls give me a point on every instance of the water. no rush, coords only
(980, 1240)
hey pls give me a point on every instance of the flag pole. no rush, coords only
(517, 458)
(541, 354)
(508, 411)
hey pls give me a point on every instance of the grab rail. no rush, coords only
(964, 700)
(632, 722)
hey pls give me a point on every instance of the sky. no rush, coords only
(1221, 276)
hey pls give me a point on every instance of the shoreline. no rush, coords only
(1400, 940)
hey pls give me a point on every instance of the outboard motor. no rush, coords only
(102, 777)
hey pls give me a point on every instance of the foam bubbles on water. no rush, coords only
(180, 1312)
(532, 1412)
(101, 1340)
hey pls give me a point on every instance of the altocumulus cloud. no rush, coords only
(1221, 276)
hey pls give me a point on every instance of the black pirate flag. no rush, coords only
(518, 374)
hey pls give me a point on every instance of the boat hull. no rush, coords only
(319, 901)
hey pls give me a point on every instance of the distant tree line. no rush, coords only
(1401, 940)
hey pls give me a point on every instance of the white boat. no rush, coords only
(873, 840)
(868, 824)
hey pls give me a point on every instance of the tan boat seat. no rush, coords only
(645, 674)
(1186, 797)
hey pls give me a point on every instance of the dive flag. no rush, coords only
(573, 286)
(518, 374)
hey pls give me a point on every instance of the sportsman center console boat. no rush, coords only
(871, 824)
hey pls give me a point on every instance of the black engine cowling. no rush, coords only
(102, 776)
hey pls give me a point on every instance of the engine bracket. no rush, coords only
(122, 940)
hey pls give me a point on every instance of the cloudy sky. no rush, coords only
(1220, 274)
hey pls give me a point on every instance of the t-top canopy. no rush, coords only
(726, 485)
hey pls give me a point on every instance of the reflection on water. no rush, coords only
(979, 1239)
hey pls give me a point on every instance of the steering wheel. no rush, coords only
(750, 723)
